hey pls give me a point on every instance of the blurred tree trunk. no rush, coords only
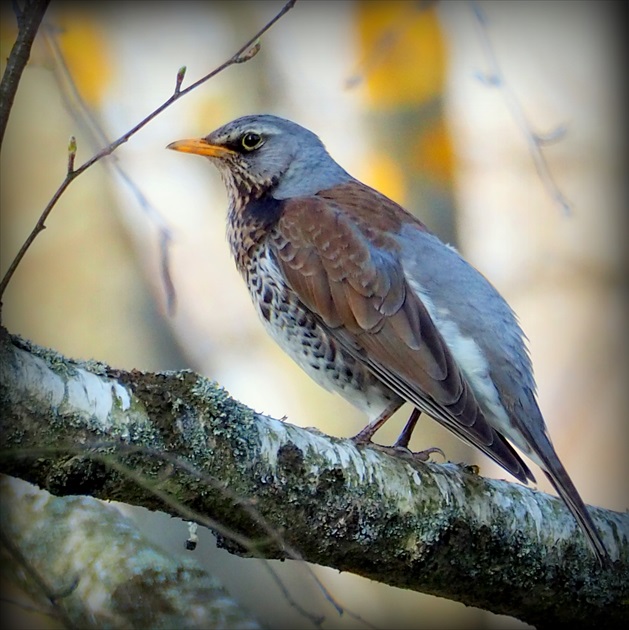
(87, 566)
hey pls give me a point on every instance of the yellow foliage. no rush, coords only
(432, 153)
(85, 52)
(404, 54)
(386, 175)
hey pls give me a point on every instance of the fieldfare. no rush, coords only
(372, 305)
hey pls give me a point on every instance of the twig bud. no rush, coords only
(181, 73)
(71, 154)
(251, 52)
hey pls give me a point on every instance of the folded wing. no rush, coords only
(348, 273)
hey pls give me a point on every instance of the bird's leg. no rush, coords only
(405, 437)
(364, 436)
(402, 442)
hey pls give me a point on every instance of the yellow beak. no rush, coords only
(200, 147)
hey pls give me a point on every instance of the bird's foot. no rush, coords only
(362, 439)
(422, 456)
(397, 450)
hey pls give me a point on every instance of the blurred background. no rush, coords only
(405, 97)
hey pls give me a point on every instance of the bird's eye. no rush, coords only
(250, 141)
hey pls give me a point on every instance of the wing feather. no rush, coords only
(347, 271)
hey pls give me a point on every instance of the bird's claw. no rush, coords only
(422, 456)
(397, 449)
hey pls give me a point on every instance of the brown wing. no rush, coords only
(345, 269)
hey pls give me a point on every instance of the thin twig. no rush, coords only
(495, 78)
(251, 511)
(81, 111)
(28, 20)
(242, 54)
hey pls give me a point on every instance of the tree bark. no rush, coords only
(112, 578)
(178, 443)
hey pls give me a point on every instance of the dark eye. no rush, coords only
(250, 140)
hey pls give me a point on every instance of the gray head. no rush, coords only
(261, 153)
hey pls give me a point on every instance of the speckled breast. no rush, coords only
(300, 334)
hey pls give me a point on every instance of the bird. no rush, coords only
(375, 307)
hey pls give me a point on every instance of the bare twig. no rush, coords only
(495, 78)
(255, 514)
(81, 111)
(240, 56)
(28, 20)
(247, 507)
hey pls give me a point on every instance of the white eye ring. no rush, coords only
(250, 140)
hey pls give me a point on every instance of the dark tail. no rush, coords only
(562, 483)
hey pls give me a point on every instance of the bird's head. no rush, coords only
(263, 153)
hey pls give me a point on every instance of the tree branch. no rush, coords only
(136, 583)
(535, 141)
(28, 20)
(437, 529)
(243, 54)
